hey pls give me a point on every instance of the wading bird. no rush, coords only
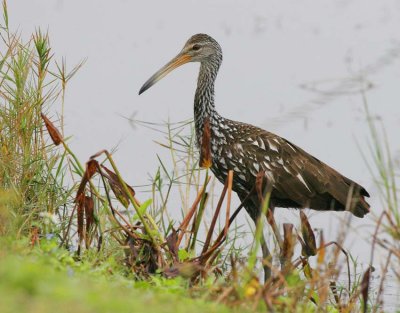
(296, 178)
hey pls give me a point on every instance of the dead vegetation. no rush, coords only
(296, 280)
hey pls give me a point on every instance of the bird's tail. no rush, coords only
(361, 207)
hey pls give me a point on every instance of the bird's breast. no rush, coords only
(224, 160)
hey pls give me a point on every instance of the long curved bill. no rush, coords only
(179, 60)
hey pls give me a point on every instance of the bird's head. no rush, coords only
(199, 48)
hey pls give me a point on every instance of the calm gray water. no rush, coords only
(292, 67)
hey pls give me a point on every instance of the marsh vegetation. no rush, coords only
(76, 236)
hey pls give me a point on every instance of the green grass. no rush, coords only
(48, 279)
(31, 169)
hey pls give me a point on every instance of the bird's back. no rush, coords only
(299, 180)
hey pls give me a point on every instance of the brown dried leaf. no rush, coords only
(259, 185)
(80, 208)
(53, 131)
(365, 288)
(189, 215)
(274, 226)
(287, 247)
(321, 250)
(81, 189)
(89, 213)
(309, 248)
(205, 151)
(117, 187)
(214, 221)
(91, 168)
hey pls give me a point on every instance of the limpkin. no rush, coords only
(298, 179)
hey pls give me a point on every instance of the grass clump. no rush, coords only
(47, 279)
(31, 170)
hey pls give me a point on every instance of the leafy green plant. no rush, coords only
(29, 167)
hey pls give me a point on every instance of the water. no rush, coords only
(292, 67)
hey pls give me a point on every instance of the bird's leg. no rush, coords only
(252, 209)
(263, 192)
(267, 259)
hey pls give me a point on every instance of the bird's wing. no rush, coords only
(296, 174)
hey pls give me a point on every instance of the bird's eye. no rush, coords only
(196, 47)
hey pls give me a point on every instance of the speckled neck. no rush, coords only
(204, 98)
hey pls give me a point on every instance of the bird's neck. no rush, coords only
(204, 107)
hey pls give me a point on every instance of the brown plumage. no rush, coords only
(298, 180)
